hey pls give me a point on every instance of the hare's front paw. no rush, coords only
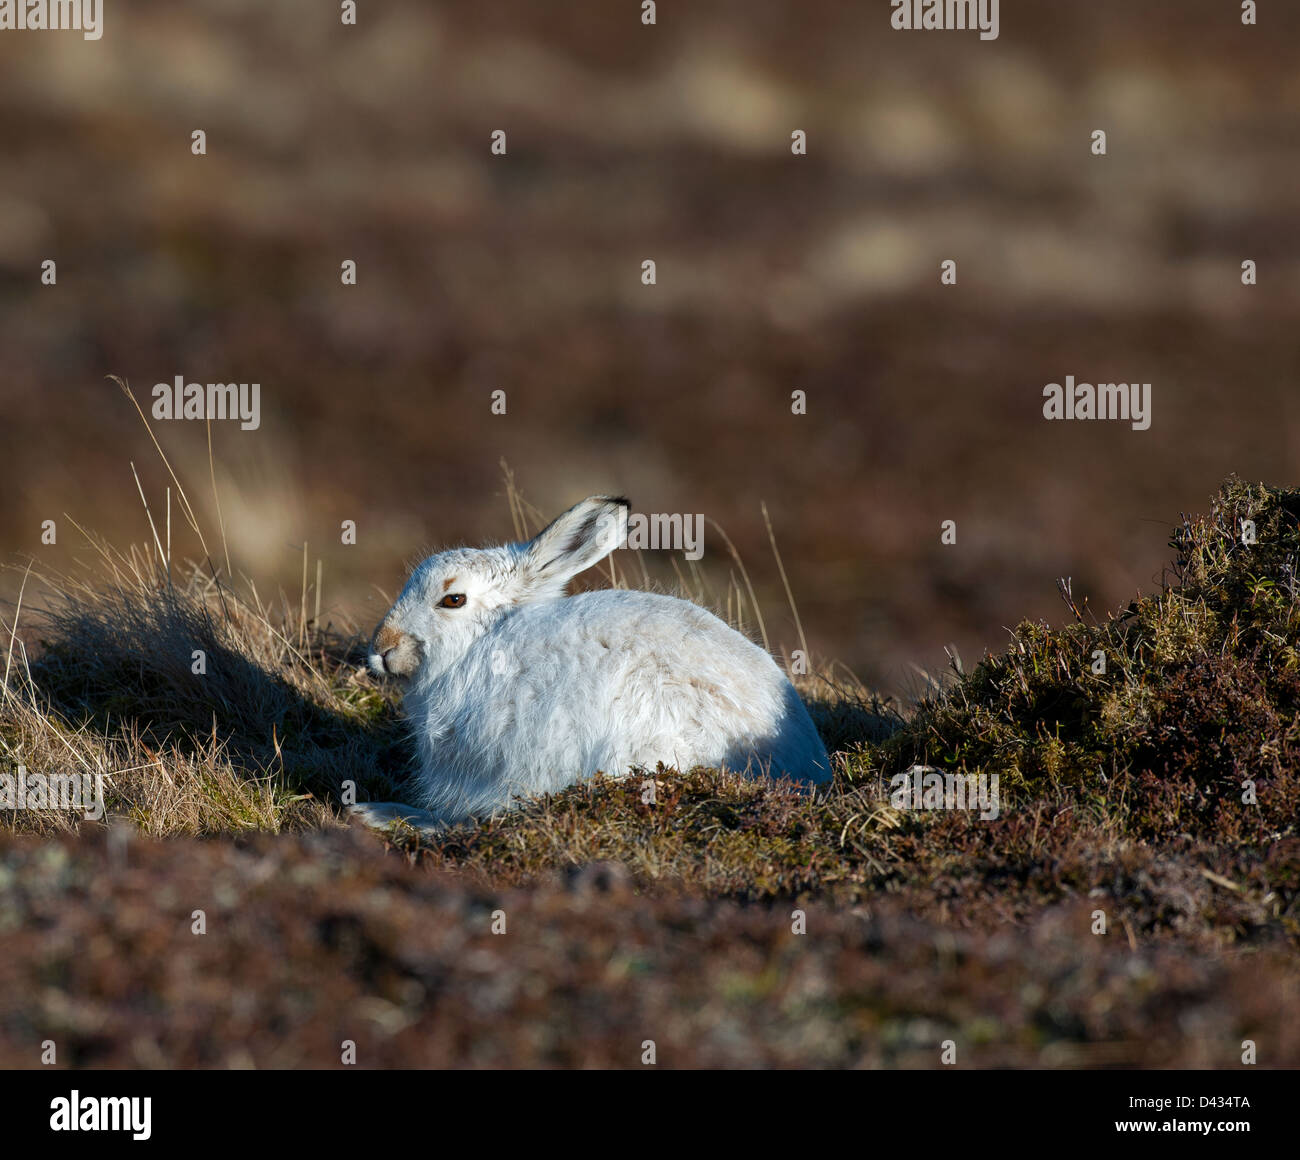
(381, 815)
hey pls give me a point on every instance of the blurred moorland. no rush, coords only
(775, 273)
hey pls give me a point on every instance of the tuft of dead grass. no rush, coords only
(205, 711)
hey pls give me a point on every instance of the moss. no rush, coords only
(1198, 705)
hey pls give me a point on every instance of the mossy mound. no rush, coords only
(1182, 711)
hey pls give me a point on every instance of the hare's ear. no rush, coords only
(573, 542)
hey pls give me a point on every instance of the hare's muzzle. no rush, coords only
(393, 652)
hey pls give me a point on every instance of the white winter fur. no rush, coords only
(522, 690)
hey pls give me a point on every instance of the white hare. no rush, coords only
(516, 689)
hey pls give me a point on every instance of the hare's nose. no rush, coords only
(392, 651)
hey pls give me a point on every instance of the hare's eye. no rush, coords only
(453, 600)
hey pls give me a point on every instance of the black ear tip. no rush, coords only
(621, 500)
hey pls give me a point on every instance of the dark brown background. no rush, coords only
(775, 273)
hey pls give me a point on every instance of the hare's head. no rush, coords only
(454, 597)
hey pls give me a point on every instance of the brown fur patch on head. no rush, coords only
(448, 583)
